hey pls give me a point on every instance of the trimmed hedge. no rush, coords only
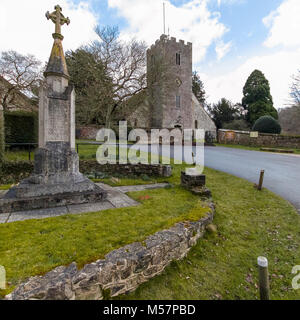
(267, 124)
(21, 127)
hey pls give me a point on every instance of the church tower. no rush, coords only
(169, 76)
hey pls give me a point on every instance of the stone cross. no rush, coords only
(58, 18)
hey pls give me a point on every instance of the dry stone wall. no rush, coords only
(15, 171)
(263, 139)
(122, 270)
(127, 169)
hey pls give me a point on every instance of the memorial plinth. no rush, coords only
(192, 180)
(56, 179)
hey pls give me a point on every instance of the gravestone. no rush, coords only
(56, 179)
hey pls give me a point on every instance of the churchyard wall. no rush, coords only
(262, 140)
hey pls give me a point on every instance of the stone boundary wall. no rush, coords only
(90, 132)
(158, 170)
(122, 270)
(263, 139)
(14, 171)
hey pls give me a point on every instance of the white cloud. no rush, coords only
(277, 67)
(222, 49)
(24, 27)
(284, 24)
(191, 22)
(229, 2)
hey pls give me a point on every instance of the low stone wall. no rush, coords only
(263, 139)
(127, 169)
(122, 270)
(14, 171)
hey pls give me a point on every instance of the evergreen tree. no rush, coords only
(222, 112)
(92, 86)
(198, 87)
(257, 98)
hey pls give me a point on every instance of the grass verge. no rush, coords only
(237, 146)
(223, 266)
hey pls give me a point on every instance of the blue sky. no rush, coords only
(243, 18)
(230, 38)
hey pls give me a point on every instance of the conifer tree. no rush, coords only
(257, 98)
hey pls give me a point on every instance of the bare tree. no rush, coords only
(289, 119)
(20, 73)
(125, 65)
(295, 89)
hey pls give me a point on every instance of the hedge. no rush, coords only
(15, 171)
(21, 127)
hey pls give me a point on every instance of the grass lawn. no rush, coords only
(85, 152)
(237, 146)
(34, 247)
(221, 266)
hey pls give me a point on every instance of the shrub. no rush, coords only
(15, 171)
(267, 124)
(240, 124)
(21, 127)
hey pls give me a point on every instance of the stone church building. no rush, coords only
(20, 101)
(170, 102)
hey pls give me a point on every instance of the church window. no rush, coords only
(152, 60)
(178, 59)
(178, 102)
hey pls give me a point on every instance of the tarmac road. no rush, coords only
(282, 172)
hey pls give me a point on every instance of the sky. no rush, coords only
(231, 38)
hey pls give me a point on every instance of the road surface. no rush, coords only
(282, 172)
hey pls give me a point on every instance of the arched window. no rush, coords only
(196, 124)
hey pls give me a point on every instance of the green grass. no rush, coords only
(18, 155)
(221, 266)
(34, 247)
(238, 146)
(85, 152)
(5, 186)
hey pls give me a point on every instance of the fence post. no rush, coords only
(264, 287)
(261, 180)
